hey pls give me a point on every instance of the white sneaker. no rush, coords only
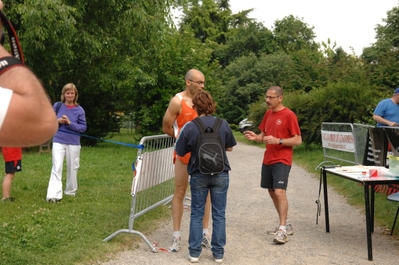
(280, 237)
(193, 259)
(175, 244)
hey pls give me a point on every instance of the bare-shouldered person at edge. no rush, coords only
(26, 115)
(178, 113)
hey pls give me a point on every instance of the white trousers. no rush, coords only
(71, 153)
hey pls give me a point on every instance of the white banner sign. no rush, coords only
(342, 141)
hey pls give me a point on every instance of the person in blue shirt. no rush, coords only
(201, 184)
(66, 143)
(387, 111)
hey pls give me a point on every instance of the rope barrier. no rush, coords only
(139, 146)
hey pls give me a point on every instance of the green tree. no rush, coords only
(292, 34)
(213, 23)
(250, 37)
(381, 58)
(248, 77)
(97, 45)
(155, 84)
(209, 20)
(308, 70)
(296, 38)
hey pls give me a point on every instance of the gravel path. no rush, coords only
(250, 213)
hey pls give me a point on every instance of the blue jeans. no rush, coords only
(200, 185)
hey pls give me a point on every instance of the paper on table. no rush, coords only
(356, 169)
(363, 171)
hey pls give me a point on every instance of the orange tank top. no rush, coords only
(186, 114)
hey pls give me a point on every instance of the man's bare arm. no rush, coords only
(170, 116)
(293, 141)
(250, 135)
(30, 118)
(381, 120)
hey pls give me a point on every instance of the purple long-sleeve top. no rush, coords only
(76, 115)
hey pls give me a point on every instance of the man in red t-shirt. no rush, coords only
(279, 131)
(13, 163)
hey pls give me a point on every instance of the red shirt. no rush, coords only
(281, 124)
(11, 153)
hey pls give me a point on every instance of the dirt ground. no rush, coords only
(250, 213)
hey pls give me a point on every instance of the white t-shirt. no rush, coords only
(5, 98)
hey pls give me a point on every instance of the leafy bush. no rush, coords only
(234, 127)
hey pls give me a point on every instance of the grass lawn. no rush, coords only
(34, 231)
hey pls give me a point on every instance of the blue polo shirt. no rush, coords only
(388, 110)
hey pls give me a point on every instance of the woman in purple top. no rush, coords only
(66, 143)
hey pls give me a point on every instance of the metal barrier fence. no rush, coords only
(153, 180)
(344, 142)
(338, 141)
(362, 139)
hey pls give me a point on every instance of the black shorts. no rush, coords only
(13, 166)
(275, 176)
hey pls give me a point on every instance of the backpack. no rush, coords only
(209, 149)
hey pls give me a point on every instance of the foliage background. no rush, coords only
(128, 58)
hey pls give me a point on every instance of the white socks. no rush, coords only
(284, 228)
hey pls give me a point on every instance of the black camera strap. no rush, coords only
(15, 45)
(8, 62)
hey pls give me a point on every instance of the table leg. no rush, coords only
(372, 207)
(326, 201)
(368, 221)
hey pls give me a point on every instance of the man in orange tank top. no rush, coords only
(179, 112)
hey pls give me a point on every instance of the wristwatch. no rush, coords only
(281, 141)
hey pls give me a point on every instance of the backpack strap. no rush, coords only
(57, 107)
(200, 125)
(217, 125)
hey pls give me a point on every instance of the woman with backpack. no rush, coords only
(206, 153)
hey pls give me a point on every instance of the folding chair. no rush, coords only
(394, 197)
